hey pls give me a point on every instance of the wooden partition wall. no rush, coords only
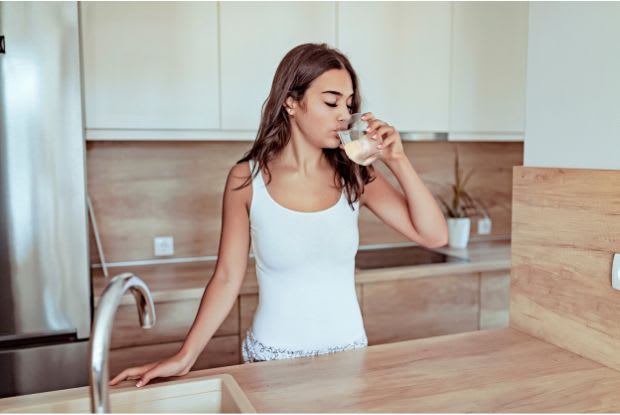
(141, 190)
(565, 229)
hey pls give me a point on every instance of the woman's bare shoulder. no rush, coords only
(237, 177)
(239, 171)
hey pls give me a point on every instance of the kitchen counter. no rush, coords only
(170, 282)
(485, 371)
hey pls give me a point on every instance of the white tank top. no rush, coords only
(305, 266)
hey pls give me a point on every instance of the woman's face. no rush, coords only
(324, 108)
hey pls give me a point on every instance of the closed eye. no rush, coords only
(335, 105)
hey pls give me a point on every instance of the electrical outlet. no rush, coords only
(615, 272)
(484, 226)
(163, 245)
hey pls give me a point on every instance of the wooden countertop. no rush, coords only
(171, 282)
(484, 371)
(481, 256)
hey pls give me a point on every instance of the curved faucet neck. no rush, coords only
(102, 332)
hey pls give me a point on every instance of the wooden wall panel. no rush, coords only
(141, 190)
(434, 162)
(566, 227)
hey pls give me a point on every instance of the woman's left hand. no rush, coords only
(389, 141)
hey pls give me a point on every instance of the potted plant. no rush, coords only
(461, 207)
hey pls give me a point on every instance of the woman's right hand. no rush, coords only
(172, 366)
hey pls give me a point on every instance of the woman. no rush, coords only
(297, 197)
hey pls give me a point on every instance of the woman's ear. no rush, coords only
(290, 105)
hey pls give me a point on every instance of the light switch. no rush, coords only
(615, 272)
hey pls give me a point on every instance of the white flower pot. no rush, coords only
(458, 232)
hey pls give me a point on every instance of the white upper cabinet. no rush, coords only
(254, 37)
(401, 53)
(150, 65)
(202, 70)
(489, 54)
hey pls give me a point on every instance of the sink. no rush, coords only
(401, 256)
(213, 394)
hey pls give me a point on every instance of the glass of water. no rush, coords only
(358, 146)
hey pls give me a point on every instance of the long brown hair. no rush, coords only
(302, 65)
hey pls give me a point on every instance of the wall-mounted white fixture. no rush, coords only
(615, 272)
(484, 226)
(163, 245)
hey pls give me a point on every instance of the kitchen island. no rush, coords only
(501, 370)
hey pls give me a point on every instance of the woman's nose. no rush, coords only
(345, 116)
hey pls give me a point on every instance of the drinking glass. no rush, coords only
(358, 146)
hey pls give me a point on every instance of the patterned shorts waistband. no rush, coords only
(253, 350)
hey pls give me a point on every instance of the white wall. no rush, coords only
(573, 85)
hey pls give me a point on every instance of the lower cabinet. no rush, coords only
(433, 306)
(494, 299)
(220, 351)
(422, 307)
(133, 346)
(393, 311)
(173, 321)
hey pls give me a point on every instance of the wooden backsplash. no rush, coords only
(140, 190)
(565, 229)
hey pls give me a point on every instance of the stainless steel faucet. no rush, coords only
(102, 332)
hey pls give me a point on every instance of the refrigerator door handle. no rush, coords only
(37, 339)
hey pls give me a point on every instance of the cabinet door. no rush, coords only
(150, 65)
(173, 321)
(422, 307)
(494, 299)
(401, 53)
(220, 351)
(254, 37)
(489, 55)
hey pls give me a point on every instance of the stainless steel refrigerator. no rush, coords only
(45, 290)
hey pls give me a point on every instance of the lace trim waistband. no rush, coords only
(252, 350)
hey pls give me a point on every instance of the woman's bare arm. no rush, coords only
(414, 214)
(221, 291)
